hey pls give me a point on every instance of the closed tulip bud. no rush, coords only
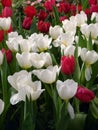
(84, 94)
(7, 3)
(43, 26)
(67, 65)
(27, 23)
(8, 54)
(7, 12)
(1, 35)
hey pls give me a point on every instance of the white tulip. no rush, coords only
(94, 16)
(25, 45)
(89, 57)
(66, 89)
(1, 106)
(1, 58)
(55, 31)
(5, 23)
(22, 82)
(24, 60)
(12, 34)
(13, 43)
(66, 39)
(90, 29)
(47, 75)
(69, 26)
(79, 18)
(40, 60)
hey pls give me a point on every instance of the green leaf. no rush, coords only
(62, 122)
(4, 68)
(84, 4)
(29, 115)
(56, 16)
(89, 43)
(33, 28)
(94, 108)
(76, 75)
(77, 123)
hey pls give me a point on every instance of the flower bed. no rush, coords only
(49, 65)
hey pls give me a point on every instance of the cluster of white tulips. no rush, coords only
(34, 58)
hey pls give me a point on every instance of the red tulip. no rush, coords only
(92, 2)
(43, 26)
(6, 3)
(27, 23)
(8, 54)
(1, 35)
(94, 8)
(67, 65)
(84, 94)
(64, 7)
(30, 11)
(49, 5)
(7, 12)
(42, 15)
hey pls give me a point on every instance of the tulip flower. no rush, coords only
(66, 89)
(22, 82)
(43, 26)
(67, 65)
(88, 57)
(1, 106)
(55, 31)
(8, 54)
(27, 23)
(24, 60)
(47, 75)
(5, 23)
(84, 94)
(1, 35)
(6, 3)
(30, 11)
(7, 12)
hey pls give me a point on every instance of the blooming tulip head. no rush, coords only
(22, 82)
(84, 94)
(30, 11)
(27, 23)
(66, 89)
(67, 65)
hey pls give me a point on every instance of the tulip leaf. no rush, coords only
(77, 123)
(89, 43)
(29, 115)
(94, 108)
(33, 28)
(84, 4)
(56, 16)
(62, 122)
(82, 40)
(4, 69)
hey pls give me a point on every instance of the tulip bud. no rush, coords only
(7, 12)
(7, 3)
(84, 94)
(1, 35)
(43, 26)
(67, 65)
(27, 23)
(8, 54)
